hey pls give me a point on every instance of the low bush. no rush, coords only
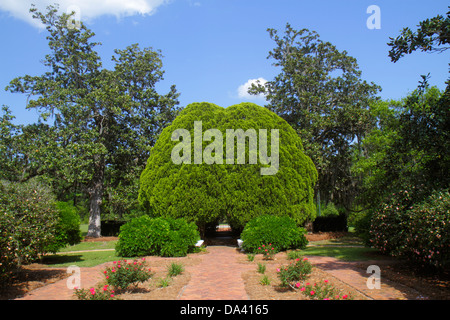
(68, 227)
(125, 273)
(281, 232)
(322, 291)
(99, 293)
(174, 269)
(294, 272)
(165, 237)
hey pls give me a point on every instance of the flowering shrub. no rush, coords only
(417, 231)
(321, 291)
(99, 293)
(427, 231)
(124, 273)
(294, 272)
(268, 251)
(28, 220)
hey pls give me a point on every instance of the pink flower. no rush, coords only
(278, 270)
(112, 296)
(114, 262)
(107, 277)
(312, 293)
(326, 281)
(303, 289)
(297, 284)
(344, 296)
(263, 246)
(305, 259)
(260, 248)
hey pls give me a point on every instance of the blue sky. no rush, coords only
(213, 47)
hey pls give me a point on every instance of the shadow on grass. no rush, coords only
(346, 253)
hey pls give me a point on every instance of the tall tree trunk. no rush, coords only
(95, 201)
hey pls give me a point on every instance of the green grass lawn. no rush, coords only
(345, 253)
(82, 258)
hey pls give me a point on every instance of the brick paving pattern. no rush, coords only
(218, 277)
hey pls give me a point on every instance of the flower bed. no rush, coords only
(323, 285)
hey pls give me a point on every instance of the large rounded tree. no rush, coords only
(235, 163)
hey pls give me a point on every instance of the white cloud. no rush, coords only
(243, 89)
(88, 9)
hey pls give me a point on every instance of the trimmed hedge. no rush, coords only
(167, 237)
(280, 231)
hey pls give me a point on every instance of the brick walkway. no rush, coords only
(60, 289)
(218, 277)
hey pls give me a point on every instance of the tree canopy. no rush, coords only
(104, 121)
(320, 93)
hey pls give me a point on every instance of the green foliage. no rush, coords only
(418, 231)
(432, 35)
(320, 93)
(265, 280)
(28, 220)
(281, 232)
(410, 146)
(126, 273)
(322, 291)
(68, 227)
(204, 193)
(330, 210)
(174, 269)
(166, 237)
(105, 121)
(261, 268)
(294, 272)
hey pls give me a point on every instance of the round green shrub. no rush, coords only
(204, 192)
(146, 236)
(280, 231)
(68, 227)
